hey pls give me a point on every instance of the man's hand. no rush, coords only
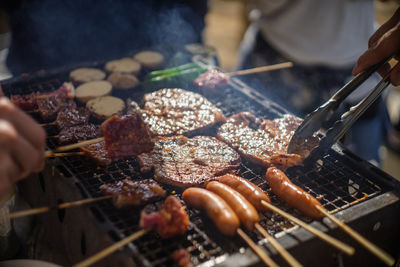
(383, 43)
(22, 145)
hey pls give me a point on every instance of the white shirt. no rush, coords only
(325, 32)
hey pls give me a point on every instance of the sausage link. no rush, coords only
(292, 194)
(250, 191)
(247, 214)
(216, 208)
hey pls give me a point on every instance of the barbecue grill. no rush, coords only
(357, 192)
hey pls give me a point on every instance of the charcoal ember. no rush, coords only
(128, 192)
(77, 133)
(185, 162)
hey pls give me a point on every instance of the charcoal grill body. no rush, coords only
(359, 193)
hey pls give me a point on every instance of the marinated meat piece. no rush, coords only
(176, 111)
(262, 143)
(182, 257)
(126, 193)
(98, 153)
(77, 133)
(49, 105)
(72, 116)
(169, 221)
(25, 102)
(126, 136)
(185, 162)
(211, 80)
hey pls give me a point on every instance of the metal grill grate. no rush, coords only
(333, 180)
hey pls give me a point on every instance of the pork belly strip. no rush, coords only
(184, 162)
(261, 142)
(178, 112)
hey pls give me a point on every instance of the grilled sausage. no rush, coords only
(292, 194)
(247, 214)
(247, 189)
(215, 207)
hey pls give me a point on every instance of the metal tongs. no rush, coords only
(300, 141)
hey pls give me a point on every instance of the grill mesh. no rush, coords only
(332, 180)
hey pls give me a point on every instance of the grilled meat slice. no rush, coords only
(211, 80)
(77, 133)
(176, 112)
(263, 143)
(98, 153)
(71, 116)
(126, 136)
(49, 105)
(185, 162)
(169, 221)
(25, 102)
(127, 192)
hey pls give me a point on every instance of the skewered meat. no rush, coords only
(169, 221)
(77, 133)
(29, 101)
(211, 80)
(71, 116)
(182, 257)
(49, 105)
(126, 193)
(25, 102)
(98, 153)
(185, 162)
(247, 214)
(216, 208)
(126, 136)
(292, 194)
(176, 112)
(246, 188)
(263, 143)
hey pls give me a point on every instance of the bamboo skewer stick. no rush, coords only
(81, 202)
(260, 69)
(281, 250)
(64, 154)
(263, 256)
(385, 257)
(109, 250)
(328, 239)
(73, 146)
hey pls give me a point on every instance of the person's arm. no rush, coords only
(383, 43)
(22, 144)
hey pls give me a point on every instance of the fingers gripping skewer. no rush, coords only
(109, 250)
(330, 240)
(386, 258)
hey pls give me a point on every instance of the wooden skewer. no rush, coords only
(263, 256)
(73, 146)
(64, 154)
(385, 257)
(330, 240)
(109, 250)
(261, 69)
(29, 212)
(281, 250)
(48, 124)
